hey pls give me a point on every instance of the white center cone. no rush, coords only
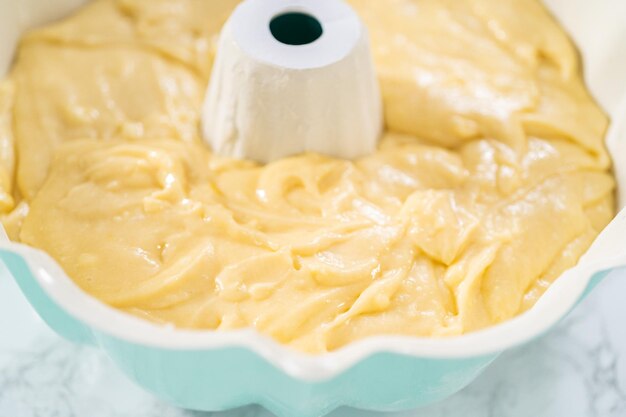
(293, 76)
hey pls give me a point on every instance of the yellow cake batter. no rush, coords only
(491, 180)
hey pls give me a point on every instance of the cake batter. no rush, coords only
(491, 179)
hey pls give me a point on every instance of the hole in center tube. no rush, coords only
(295, 28)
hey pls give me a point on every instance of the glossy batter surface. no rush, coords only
(491, 180)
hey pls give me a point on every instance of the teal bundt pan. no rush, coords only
(204, 370)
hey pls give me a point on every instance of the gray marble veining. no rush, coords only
(578, 369)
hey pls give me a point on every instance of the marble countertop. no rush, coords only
(578, 369)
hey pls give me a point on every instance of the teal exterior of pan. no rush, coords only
(234, 374)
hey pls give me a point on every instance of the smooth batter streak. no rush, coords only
(491, 180)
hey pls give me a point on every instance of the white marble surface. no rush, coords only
(578, 369)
